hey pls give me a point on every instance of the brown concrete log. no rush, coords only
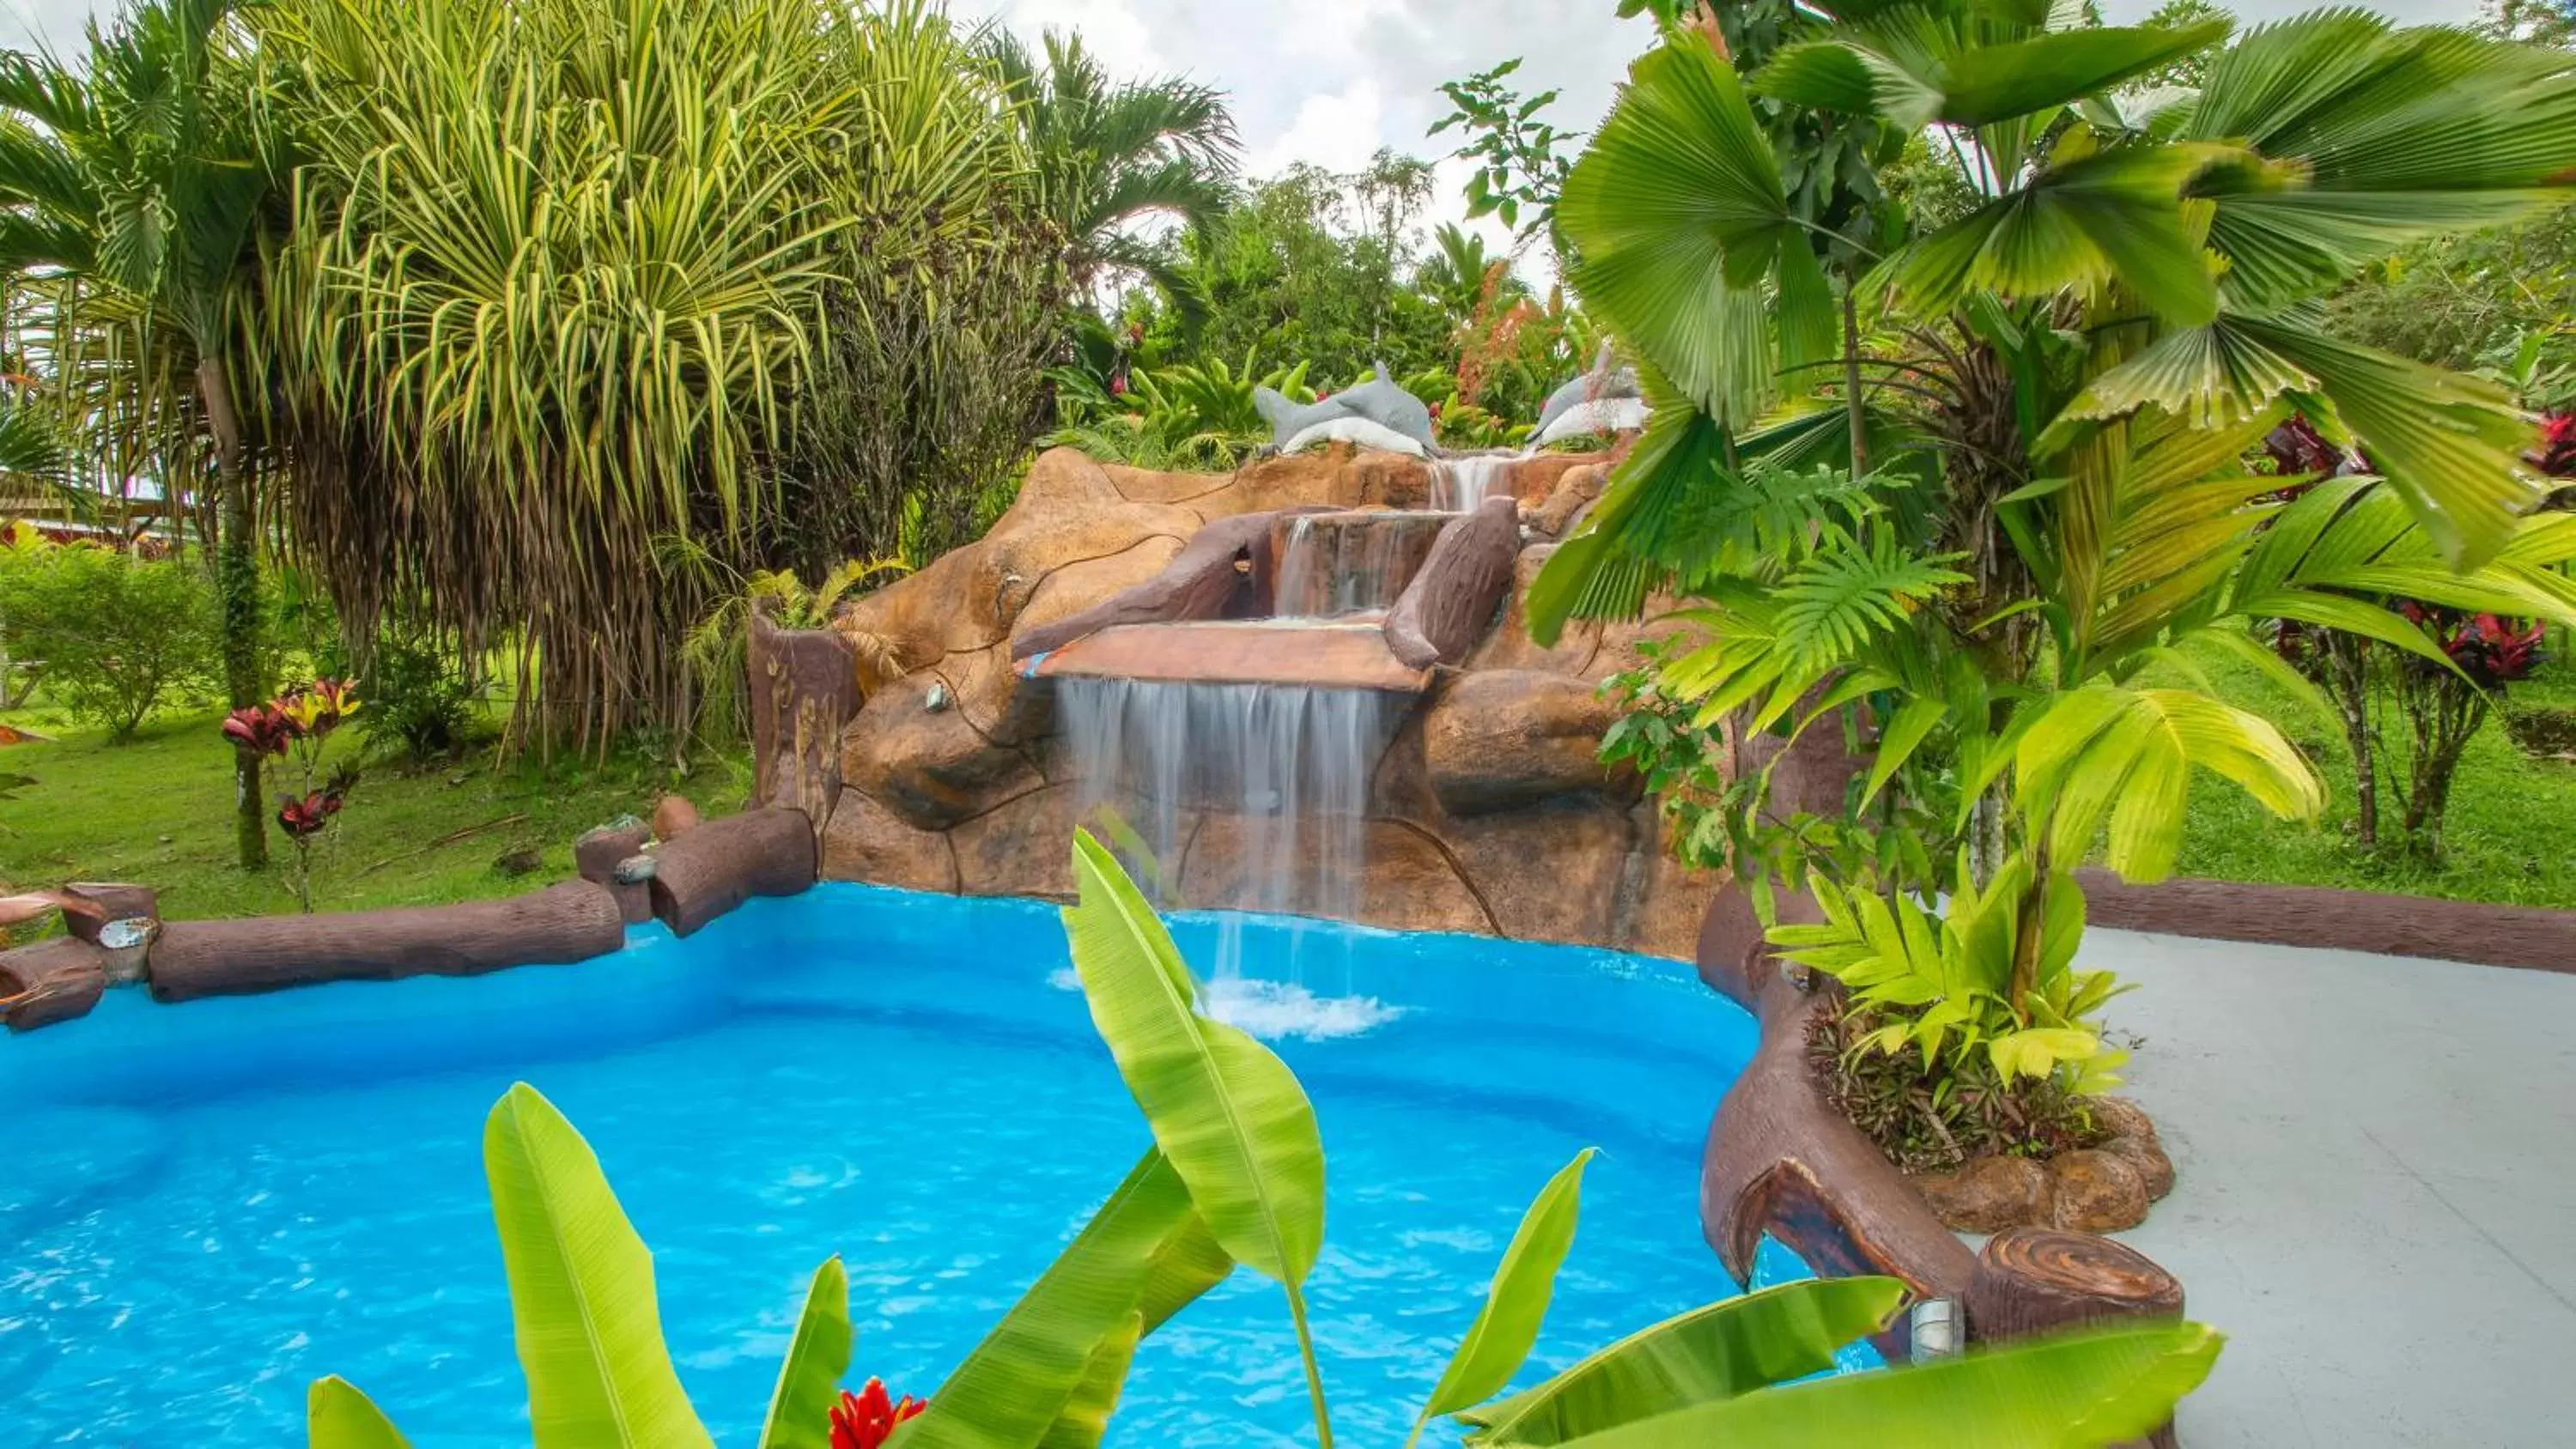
(804, 693)
(597, 856)
(574, 921)
(99, 902)
(51, 981)
(1450, 604)
(1204, 582)
(2033, 1282)
(722, 863)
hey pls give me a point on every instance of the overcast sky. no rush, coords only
(1330, 81)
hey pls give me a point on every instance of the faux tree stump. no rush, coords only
(2032, 1282)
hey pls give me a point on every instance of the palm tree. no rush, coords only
(2057, 421)
(131, 195)
(1111, 153)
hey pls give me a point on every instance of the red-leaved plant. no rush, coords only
(866, 1419)
(297, 724)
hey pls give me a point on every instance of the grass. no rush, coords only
(157, 811)
(2505, 839)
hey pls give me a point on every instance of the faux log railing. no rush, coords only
(692, 878)
(1226, 571)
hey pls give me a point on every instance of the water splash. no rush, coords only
(1276, 1010)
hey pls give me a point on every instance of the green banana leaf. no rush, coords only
(809, 1383)
(2099, 1388)
(1508, 1323)
(581, 1291)
(1707, 1355)
(1086, 1415)
(1228, 1114)
(1019, 1381)
(337, 1416)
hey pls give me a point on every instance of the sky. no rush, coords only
(1331, 81)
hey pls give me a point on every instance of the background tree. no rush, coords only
(132, 189)
(1521, 160)
(1109, 153)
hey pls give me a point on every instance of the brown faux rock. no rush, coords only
(1509, 646)
(1575, 487)
(51, 981)
(673, 817)
(2097, 1192)
(1989, 1194)
(1022, 847)
(1411, 882)
(866, 841)
(1551, 872)
(804, 690)
(1507, 738)
(1079, 586)
(2155, 1169)
(916, 752)
(715, 868)
(2120, 1117)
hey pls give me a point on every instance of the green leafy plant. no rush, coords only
(1236, 1178)
(115, 634)
(1520, 160)
(1197, 416)
(715, 646)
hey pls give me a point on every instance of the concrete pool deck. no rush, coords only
(2377, 1192)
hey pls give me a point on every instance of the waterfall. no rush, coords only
(1336, 564)
(1280, 771)
(1461, 485)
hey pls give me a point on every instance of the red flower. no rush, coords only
(2558, 445)
(309, 815)
(866, 1419)
(261, 727)
(1118, 385)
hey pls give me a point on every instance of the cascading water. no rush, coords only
(1332, 565)
(1281, 772)
(1461, 485)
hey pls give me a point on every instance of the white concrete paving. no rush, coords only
(2377, 1192)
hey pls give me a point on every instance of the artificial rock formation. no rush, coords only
(1488, 811)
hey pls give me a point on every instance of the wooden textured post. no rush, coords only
(2032, 1282)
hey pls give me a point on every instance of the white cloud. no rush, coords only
(1338, 132)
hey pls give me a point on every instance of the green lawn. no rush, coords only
(2511, 834)
(157, 811)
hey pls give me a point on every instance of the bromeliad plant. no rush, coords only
(1235, 1178)
(2048, 402)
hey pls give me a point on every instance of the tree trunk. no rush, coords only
(237, 588)
(1853, 412)
(2348, 679)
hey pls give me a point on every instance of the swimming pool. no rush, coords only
(206, 1207)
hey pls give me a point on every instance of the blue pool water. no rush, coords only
(204, 1208)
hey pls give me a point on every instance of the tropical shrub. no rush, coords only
(1235, 1178)
(1187, 417)
(421, 702)
(116, 635)
(717, 643)
(2047, 402)
(298, 726)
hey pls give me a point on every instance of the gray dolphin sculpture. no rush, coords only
(1380, 400)
(1601, 383)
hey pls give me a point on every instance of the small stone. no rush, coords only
(526, 860)
(2120, 1117)
(672, 816)
(2155, 1169)
(455, 780)
(1988, 1195)
(635, 870)
(2098, 1192)
(165, 840)
(126, 934)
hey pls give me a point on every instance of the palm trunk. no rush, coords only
(237, 584)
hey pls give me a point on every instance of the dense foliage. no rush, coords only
(1972, 530)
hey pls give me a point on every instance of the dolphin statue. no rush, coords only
(1369, 413)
